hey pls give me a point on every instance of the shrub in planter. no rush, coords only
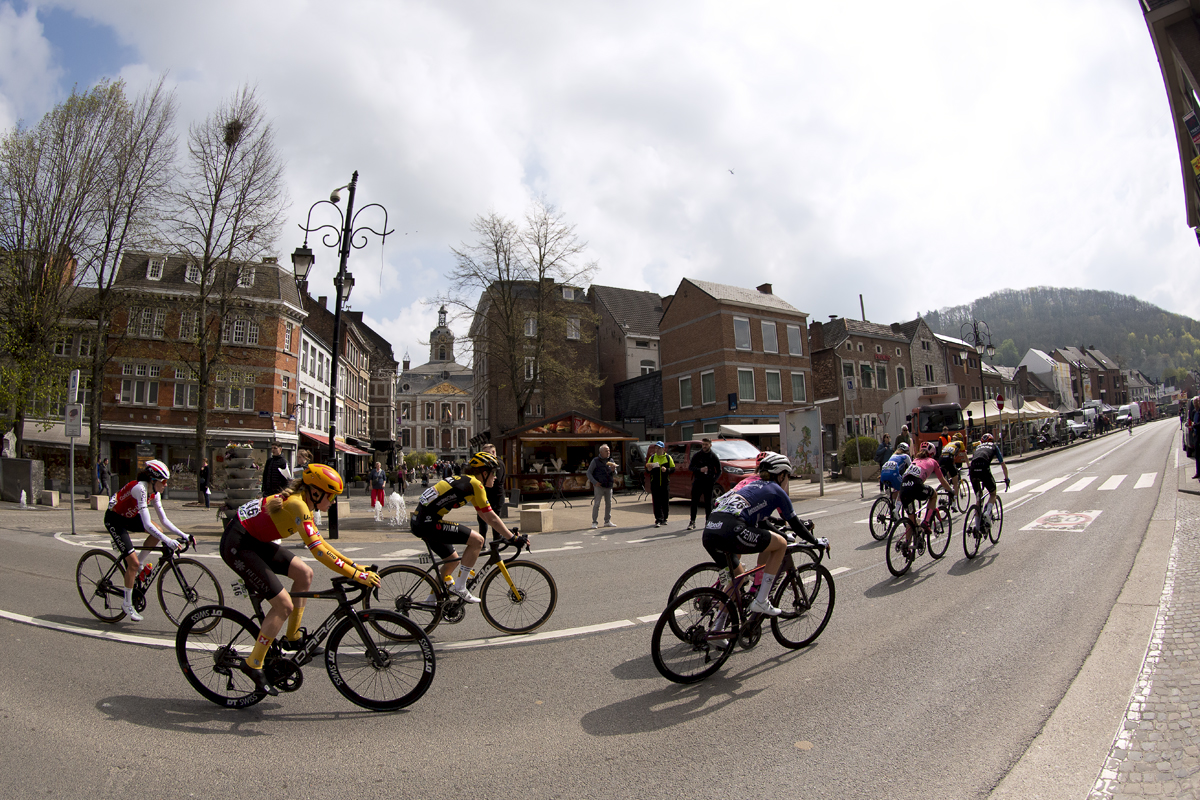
(860, 450)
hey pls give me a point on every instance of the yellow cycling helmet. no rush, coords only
(484, 460)
(323, 477)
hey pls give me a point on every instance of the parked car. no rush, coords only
(738, 459)
(1078, 430)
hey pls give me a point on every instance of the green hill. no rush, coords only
(1134, 333)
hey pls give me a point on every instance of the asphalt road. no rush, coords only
(928, 686)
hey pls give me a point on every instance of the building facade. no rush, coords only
(434, 409)
(627, 343)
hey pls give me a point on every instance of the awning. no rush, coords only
(342, 446)
(771, 429)
(1030, 410)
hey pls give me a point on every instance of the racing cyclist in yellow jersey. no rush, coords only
(954, 451)
(248, 547)
(446, 495)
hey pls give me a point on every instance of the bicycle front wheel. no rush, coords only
(805, 600)
(408, 591)
(709, 621)
(210, 645)
(694, 577)
(998, 522)
(881, 518)
(939, 534)
(101, 584)
(380, 674)
(526, 604)
(194, 586)
(899, 552)
(972, 532)
(962, 497)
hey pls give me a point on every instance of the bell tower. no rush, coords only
(441, 340)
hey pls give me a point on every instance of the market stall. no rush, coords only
(551, 456)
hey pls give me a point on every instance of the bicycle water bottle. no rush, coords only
(145, 573)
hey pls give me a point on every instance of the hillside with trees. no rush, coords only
(1132, 332)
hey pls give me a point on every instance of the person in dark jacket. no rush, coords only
(401, 479)
(203, 479)
(659, 467)
(103, 475)
(275, 480)
(495, 493)
(882, 454)
(378, 480)
(600, 472)
(706, 469)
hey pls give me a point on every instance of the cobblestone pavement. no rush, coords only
(1156, 753)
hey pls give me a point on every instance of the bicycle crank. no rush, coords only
(454, 611)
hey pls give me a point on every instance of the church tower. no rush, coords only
(441, 340)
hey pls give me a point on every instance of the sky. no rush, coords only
(921, 154)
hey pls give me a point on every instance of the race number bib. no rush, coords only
(249, 510)
(428, 496)
(732, 503)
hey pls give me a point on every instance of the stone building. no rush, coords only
(434, 408)
(626, 339)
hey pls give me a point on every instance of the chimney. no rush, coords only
(764, 288)
(816, 335)
(832, 317)
(666, 303)
(322, 300)
(270, 260)
(404, 364)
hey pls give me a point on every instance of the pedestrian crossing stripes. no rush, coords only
(1112, 483)
(1080, 484)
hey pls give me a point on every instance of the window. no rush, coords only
(708, 388)
(639, 343)
(530, 325)
(686, 432)
(774, 387)
(929, 372)
(712, 427)
(304, 358)
(462, 438)
(647, 367)
(847, 369)
(160, 323)
(899, 378)
(321, 367)
(897, 351)
(770, 337)
(795, 345)
(189, 325)
(926, 345)
(187, 395)
(85, 347)
(881, 376)
(868, 376)
(62, 347)
(685, 392)
(142, 387)
(446, 418)
(405, 438)
(246, 277)
(429, 411)
(405, 411)
(530, 368)
(287, 336)
(154, 270)
(746, 385)
(741, 333)
(192, 273)
(429, 439)
(462, 410)
(849, 346)
(878, 348)
(860, 347)
(799, 393)
(572, 327)
(568, 293)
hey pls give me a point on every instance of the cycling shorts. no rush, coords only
(914, 490)
(118, 529)
(256, 562)
(892, 479)
(441, 535)
(982, 476)
(949, 468)
(725, 534)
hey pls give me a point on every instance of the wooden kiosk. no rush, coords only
(551, 456)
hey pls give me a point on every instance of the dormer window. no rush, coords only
(192, 275)
(154, 270)
(246, 277)
(568, 293)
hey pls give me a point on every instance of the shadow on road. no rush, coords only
(198, 716)
(968, 566)
(892, 585)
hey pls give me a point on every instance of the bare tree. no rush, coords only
(528, 337)
(227, 216)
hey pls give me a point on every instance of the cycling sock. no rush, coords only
(764, 590)
(293, 628)
(256, 657)
(129, 596)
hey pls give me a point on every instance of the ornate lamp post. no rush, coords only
(345, 235)
(981, 340)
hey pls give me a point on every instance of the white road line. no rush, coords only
(839, 570)
(125, 638)
(1048, 485)
(1146, 481)
(402, 554)
(556, 549)
(1080, 484)
(1016, 487)
(649, 618)
(1112, 483)
(862, 521)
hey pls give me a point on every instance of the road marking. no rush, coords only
(1146, 481)
(839, 570)
(862, 521)
(1080, 484)
(649, 618)
(1048, 485)
(1112, 483)
(402, 554)
(1073, 521)
(1016, 487)
(556, 549)
(125, 638)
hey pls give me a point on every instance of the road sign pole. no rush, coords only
(74, 419)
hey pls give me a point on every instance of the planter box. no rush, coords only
(869, 472)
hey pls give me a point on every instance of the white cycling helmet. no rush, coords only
(902, 447)
(775, 463)
(158, 470)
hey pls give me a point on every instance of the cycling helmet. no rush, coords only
(987, 437)
(958, 437)
(928, 448)
(158, 470)
(484, 460)
(902, 447)
(775, 463)
(758, 459)
(324, 478)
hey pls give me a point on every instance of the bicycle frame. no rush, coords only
(495, 546)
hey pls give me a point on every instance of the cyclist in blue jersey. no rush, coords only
(734, 526)
(894, 469)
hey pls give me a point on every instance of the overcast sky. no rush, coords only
(922, 154)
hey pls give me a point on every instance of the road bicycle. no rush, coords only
(100, 578)
(962, 491)
(983, 520)
(515, 596)
(906, 541)
(377, 674)
(696, 632)
(884, 512)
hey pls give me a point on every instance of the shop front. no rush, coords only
(551, 456)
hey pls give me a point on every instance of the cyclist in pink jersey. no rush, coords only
(913, 488)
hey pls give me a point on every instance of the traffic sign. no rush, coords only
(73, 425)
(1000, 402)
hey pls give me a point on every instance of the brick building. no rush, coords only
(1094, 376)
(626, 339)
(928, 359)
(730, 356)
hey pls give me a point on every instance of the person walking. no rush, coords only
(103, 476)
(203, 479)
(659, 467)
(600, 472)
(276, 473)
(401, 479)
(706, 469)
(882, 454)
(497, 499)
(378, 479)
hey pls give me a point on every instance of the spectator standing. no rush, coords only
(659, 467)
(401, 479)
(882, 454)
(706, 469)
(600, 472)
(302, 459)
(203, 479)
(497, 499)
(1194, 431)
(275, 472)
(103, 476)
(378, 479)
(904, 437)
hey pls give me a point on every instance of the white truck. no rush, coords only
(1128, 415)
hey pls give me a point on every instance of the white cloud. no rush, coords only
(28, 77)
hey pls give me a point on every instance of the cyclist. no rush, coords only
(913, 488)
(734, 526)
(948, 459)
(450, 493)
(980, 468)
(753, 476)
(129, 510)
(249, 547)
(894, 468)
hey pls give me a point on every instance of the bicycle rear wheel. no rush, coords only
(940, 533)
(380, 674)
(709, 621)
(881, 518)
(972, 532)
(998, 522)
(899, 553)
(694, 577)
(805, 600)
(962, 496)
(408, 591)
(210, 645)
(101, 584)
(523, 607)
(194, 586)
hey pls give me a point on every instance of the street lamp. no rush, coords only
(970, 333)
(343, 237)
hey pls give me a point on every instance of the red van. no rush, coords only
(738, 459)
